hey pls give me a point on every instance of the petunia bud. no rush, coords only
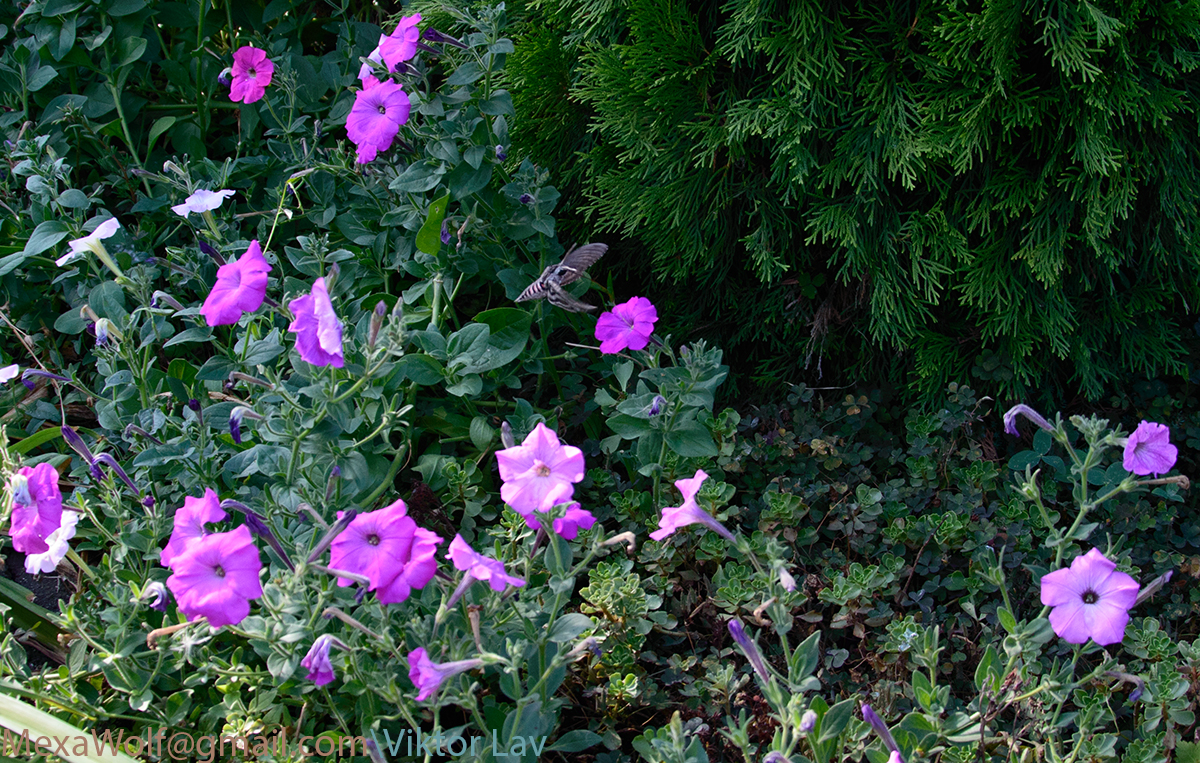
(225, 78)
(434, 35)
(111, 463)
(786, 580)
(525, 198)
(211, 252)
(43, 374)
(808, 721)
(259, 528)
(334, 531)
(875, 722)
(1010, 419)
(166, 299)
(506, 435)
(77, 444)
(154, 595)
(656, 405)
(376, 323)
(750, 648)
(501, 154)
(334, 475)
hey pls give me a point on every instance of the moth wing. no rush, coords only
(579, 260)
(537, 289)
(559, 297)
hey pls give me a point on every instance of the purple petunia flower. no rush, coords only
(317, 328)
(252, 72)
(189, 524)
(401, 44)
(576, 518)
(1010, 419)
(428, 675)
(216, 577)
(689, 512)
(241, 287)
(1149, 450)
(154, 595)
(750, 648)
(874, 721)
(629, 325)
(1090, 599)
(538, 473)
(808, 721)
(480, 567)
(202, 201)
(37, 508)
(320, 668)
(388, 549)
(375, 119)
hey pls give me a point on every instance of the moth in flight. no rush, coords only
(552, 280)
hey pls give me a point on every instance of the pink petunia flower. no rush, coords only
(241, 287)
(375, 119)
(393, 49)
(629, 325)
(1090, 599)
(37, 508)
(252, 72)
(568, 525)
(689, 512)
(479, 567)
(388, 549)
(538, 473)
(1149, 450)
(189, 524)
(428, 675)
(317, 328)
(216, 577)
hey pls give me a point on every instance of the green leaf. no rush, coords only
(419, 177)
(468, 386)
(576, 741)
(161, 125)
(1007, 620)
(691, 440)
(129, 50)
(45, 236)
(108, 300)
(835, 720)
(421, 369)
(569, 626)
(465, 74)
(429, 238)
(42, 436)
(482, 435)
(194, 334)
(19, 716)
(509, 333)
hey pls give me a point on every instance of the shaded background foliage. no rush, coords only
(913, 192)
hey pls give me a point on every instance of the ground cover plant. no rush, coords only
(304, 400)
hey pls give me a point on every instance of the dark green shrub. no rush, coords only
(1005, 194)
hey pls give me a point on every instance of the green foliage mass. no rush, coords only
(940, 190)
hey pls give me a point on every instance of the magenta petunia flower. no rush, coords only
(428, 675)
(1149, 450)
(576, 519)
(216, 577)
(375, 119)
(392, 49)
(629, 325)
(538, 473)
(37, 508)
(320, 667)
(252, 72)
(388, 549)
(1090, 599)
(317, 328)
(689, 512)
(480, 567)
(189, 524)
(241, 287)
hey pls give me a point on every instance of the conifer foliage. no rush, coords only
(1006, 190)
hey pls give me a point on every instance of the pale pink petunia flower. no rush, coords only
(628, 326)
(1149, 450)
(201, 201)
(540, 472)
(480, 567)
(393, 49)
(1090, 600)
(689, 512)
(317, 328)
(252, 73)
(241, 288)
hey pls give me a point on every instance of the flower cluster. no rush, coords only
(389, 550)
(538, 475)
(37, 510)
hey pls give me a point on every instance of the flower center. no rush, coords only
(1090, 597)
(253, 74)
(540, 469)
(373, 539)
(219, 571)
(382, 109)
